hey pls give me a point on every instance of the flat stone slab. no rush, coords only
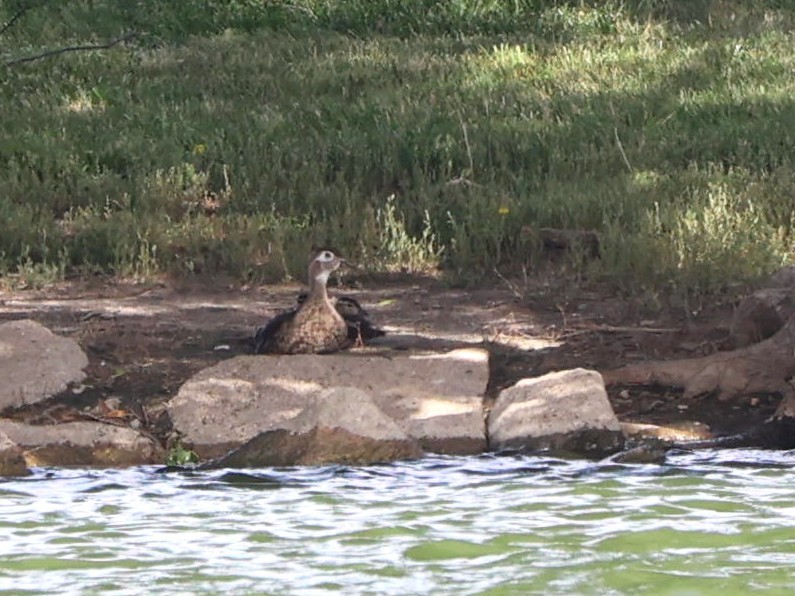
(350, 409)
(341, 426)
(35, 363)
(435, 399)
(81, 444)
(565, 411)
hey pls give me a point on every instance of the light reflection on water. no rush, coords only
(708, 521)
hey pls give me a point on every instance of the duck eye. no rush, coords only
(327, 256)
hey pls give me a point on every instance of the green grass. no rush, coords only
(229, 137)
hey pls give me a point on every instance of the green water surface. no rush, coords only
(703, 523)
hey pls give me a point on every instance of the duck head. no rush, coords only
(350, 308)
(322, 265)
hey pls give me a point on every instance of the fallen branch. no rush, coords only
(83, 48)
(762, 368)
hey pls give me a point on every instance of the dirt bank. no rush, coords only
(144, 340)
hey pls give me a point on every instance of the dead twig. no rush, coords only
(613, 329)
(515, 290)
(460, 180)
(620, 146)
(81, 48)
(466, 142)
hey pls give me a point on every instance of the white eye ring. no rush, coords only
(326, 256)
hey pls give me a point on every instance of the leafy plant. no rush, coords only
(178, 455)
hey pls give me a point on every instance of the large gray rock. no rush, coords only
(35, 363)
(565, 411)
(435, 399)
(81, 444)
(340, 425)
(442, 404)
(12, 460)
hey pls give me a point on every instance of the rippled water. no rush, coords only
(720, 520)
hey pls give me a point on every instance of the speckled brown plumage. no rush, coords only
(315, 327)
(360, 328)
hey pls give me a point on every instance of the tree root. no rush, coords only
(763, 368)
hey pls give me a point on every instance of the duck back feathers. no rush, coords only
(360, 326)
(315, 326)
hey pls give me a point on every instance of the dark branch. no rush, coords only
(19, 14)
(14, 19)
(50, 53)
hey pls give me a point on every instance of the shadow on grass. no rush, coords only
(664, 126)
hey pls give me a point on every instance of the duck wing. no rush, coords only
(264, 336)
(360, 327)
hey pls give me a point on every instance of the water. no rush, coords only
(705, 522)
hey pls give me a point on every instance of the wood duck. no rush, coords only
(360, 327)
(315, 326)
